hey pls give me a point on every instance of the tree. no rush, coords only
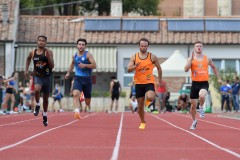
(71, 7)
(227, 74)
(43, 7)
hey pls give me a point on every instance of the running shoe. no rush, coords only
(147, 109)
(36, 111)
(142, 126)
(201, 112)
(77, 115)
(45, 120)
(194, 125)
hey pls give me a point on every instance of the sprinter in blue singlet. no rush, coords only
(84, 63)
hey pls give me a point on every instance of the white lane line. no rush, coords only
(7, 124)
(218, 124)
(205, 140)
(117, 144)
(41, 133)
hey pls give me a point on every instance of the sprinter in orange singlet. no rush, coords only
(143, 63)
(198, 63)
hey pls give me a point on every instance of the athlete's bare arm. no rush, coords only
(214, 68)
(49, 55)
(131, 65)
(70, 68)
(92, 61)
(28, 61)
(189, 63)
(159, 68)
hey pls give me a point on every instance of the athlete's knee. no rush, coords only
(202, 93)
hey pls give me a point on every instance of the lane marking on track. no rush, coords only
(7, 124)
(224, 116)
(118, 140)
(218, 124)
(13, 115)
(41, 133)
(203, 139)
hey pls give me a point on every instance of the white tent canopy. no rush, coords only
(173, 66)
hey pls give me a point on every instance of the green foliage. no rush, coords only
(46, 7)
(96, 94)
(227, 74)
(144, 7)
(106, 94)
(123, 94)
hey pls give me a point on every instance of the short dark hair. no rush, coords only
(144, 39)
(113, 77)
(82, 40)
(237, 78)
(197, 42)
(42, 36)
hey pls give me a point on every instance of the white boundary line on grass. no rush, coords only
(117, 144)
(39, 134)
(203, 139)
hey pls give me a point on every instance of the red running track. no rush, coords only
(102, 136)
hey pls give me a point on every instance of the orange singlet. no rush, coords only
(200, 69)
(144, 72)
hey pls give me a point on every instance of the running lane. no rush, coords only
(92, 137)
(167, 136)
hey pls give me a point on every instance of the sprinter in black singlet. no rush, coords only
(43, 64)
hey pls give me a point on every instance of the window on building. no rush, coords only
(127, 80)
(230, 64)
(125, 64)
(217, 63)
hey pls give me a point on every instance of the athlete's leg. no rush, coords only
(202, 96)
(193, 109)
(76, 96)
(141, 108)
(12, 101)
(45, 102)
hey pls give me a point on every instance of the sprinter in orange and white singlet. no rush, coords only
(143, 63)
(144, 72)
(198, 63)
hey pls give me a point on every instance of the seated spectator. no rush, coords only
(133, 105)
(183, 100)
(168, 106)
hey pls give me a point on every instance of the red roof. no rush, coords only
(62, 29)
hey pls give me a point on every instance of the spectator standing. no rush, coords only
(57, 96)
(225, 96)
(10, 83)
(161, 93)
(115, 90)
(235, 93)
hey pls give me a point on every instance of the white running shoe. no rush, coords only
(194, 125)
(201, 113)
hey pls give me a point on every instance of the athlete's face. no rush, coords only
(41, 42)
(198, 48)
(143, 45)
(81, 46)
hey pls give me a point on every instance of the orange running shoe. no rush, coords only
(142, 126)
(77, 115)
